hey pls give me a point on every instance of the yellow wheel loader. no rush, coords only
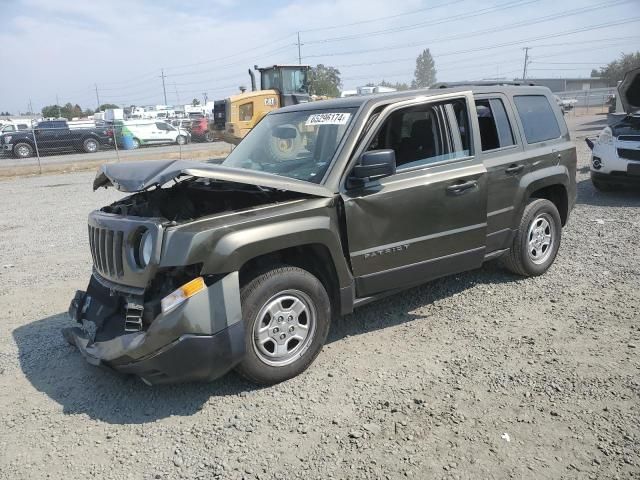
(280, 86)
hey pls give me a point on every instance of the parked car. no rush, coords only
(201, 130)
(615, 156)
(244, 264)
(566, 104)
(145, 132)
(54, 136)
(14, 126)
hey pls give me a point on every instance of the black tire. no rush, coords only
(519, 259)
(90, 145)
(282, 150)
(22, 150)
(267, 289)
(602, 186)
(181, 140)
(209, 136)
(135, 142)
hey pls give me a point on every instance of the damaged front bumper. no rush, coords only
(199, 340)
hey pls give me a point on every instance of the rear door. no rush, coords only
(504, 158)
(47, 135)
(428, 219)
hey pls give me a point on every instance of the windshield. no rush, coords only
(294, 144)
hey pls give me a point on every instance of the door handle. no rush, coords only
(459, 188)
(514, 169)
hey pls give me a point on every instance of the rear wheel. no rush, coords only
(287, 313)
(208, 136)
(90, 145)
(536, 244)
(22, 150)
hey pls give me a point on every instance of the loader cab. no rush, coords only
(291, 81)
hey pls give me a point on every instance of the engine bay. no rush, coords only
(195, 198)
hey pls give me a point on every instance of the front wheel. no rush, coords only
(287, 313)
(181, 140)
(209, 137)
(22, 150)
(536, 244)
(90, 145)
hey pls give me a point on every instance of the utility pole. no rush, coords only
(526, 62)
(30, 107)
(206, 97)
(97, 97)
(164, 89)
(299, 50)
(58, 105)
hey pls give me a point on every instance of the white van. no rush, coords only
(145, 132)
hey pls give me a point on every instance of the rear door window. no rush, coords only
(495, 130)
(537, 117)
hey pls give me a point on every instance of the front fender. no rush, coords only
(237, 247)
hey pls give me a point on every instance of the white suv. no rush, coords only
(615, 158)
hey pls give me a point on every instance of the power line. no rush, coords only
(452, 18)
(517, 42)
(386, 18)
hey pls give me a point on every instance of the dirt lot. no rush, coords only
(480, 375)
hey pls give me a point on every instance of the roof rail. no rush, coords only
(482, 83)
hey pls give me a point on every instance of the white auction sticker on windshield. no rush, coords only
(338, 118)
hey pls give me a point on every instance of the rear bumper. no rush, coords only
(199, 340)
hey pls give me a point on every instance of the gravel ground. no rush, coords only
(479, 375)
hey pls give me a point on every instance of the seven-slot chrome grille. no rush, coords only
(107, 250)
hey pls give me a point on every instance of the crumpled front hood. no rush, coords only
(629, 91)
(137, 176)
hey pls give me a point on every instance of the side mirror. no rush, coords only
(375, 164)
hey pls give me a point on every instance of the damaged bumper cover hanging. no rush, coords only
(199, 340)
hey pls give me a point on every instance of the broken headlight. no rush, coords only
(142, 247)
(146, 248)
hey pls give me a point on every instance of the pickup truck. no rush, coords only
(56, 135)
(205, 268)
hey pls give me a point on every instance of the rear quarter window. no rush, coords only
(537, 117)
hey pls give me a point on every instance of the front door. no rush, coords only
(430, 218)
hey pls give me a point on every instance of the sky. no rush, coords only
(67, 48)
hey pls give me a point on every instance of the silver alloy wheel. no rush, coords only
(540, 238)
(23, 151)
(284, 328)
(136, 143)
(181, 140)
(91, 146)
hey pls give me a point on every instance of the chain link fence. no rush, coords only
(588, 102)
(37, 146)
